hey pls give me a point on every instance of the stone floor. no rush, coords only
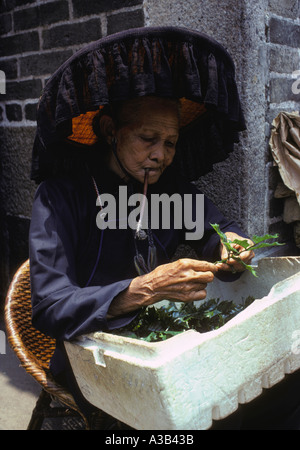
(19, 393)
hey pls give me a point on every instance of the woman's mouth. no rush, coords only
(153, 173)
(153, 169)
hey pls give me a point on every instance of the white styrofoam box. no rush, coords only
(190, 379)
(269, 270)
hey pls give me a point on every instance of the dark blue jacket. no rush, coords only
(77, 269)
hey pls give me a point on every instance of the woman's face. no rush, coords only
(146, 137)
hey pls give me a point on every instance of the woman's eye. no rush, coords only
(148, 139)
(153, 140)
(170, 144)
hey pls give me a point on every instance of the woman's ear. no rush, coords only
(107, 128)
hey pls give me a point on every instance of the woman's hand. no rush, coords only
(232, 264)
(184, 280)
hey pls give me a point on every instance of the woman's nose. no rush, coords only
(158, 152)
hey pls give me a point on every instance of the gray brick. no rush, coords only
(30, 111)
(285, 8)
(44, 14)
(10, 68)
(21, 90)
(19, 43)
(9, 5)
(88, 7)
(16, 189)
(54, 12)
(43, 63)
(26, 18)
(72, 34)
(125, 21)
(281, 90)
(14, 112)
(284, 32)
(5, 23)
(284, 59)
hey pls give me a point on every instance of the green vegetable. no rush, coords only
(156, 324)
(233, 253)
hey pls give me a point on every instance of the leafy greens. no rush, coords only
(156, 324)
(160, 323)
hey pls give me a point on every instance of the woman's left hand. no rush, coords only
(232, 264)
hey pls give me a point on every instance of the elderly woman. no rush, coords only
(63, 236)
(141, 136)
(85, 278)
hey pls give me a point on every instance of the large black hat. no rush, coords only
(163, 61)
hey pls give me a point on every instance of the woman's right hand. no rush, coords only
(184, 280)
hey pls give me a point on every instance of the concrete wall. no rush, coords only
(283, 45)
(263, 37)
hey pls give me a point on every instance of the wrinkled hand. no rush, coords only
(183, 280)
(232, 264)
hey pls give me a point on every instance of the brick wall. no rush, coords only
(283, 41)
(36, 37)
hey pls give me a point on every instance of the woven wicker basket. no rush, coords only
(33, 348)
